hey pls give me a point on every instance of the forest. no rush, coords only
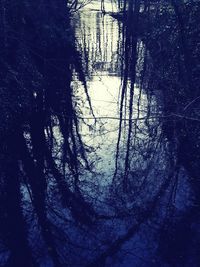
(100, 133)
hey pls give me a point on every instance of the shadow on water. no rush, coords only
(100, 134)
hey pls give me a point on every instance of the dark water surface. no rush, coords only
(100, 134)
(157, 197)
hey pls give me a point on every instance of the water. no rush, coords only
(134, 102)
(99, 39)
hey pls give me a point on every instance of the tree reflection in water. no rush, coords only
(100, 134)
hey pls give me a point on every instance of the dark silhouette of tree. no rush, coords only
(38, 58)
